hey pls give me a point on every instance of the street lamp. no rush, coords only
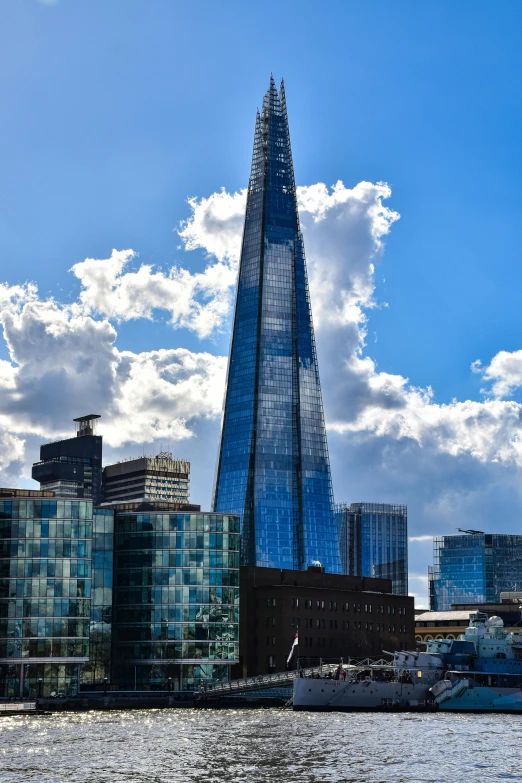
(40, 684)
(170, 684)
(105, 681)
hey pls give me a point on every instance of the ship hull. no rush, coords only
(484, 699)
(339, 696)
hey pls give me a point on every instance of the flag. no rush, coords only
(295, 643)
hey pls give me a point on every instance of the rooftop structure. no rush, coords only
(147, 478)
(273, 467)
(73, 467)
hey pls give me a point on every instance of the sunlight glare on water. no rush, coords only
(256, 746)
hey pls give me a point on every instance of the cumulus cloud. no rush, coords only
(62, 359)
(198, 301)
(504, 372)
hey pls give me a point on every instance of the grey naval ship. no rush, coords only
(480, 671)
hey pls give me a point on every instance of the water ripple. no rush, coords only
(259, 746)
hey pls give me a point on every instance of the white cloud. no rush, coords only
(197, 301)
(504, 372)
(63, 361)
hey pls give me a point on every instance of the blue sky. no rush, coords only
(115, 113)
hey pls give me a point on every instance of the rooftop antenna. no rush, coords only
(471, 532)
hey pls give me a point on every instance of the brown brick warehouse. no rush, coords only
(336, 617)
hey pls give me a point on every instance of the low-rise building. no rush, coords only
(335, 616)
(442, 625)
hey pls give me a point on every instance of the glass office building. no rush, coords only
(45, 587)
(373, 541)
(273, 467)
(176, 597)
(474, 567)
(100, 630)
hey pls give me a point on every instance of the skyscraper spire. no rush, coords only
(273, 466)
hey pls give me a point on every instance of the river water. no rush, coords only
(167, 746)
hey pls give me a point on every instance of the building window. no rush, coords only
(273, 621)
(271, 662)
(273, 640)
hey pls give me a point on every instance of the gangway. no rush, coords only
(262, 681)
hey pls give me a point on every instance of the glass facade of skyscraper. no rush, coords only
(45, 587)
(100, 631)
(474, 568)
(273, 466)
(176, 598)
(373, 541)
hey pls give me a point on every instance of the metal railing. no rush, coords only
(261, 681)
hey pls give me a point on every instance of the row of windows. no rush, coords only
(16, 568)
(204, 523)
(45, 588)
(178, 650)
(45, 627)
(45, 509)
(45, 608)
(44, 648)
(153, 540)
(181, 631)
(307, 603)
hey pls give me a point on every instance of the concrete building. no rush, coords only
(147, 478)
(442, 625)
(335, 616)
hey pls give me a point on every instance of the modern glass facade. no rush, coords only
(373, 541)
(45, 587)
(474, 568)
(176, 598)
(273, 467)
(100, 632)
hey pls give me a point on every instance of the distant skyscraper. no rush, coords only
(373, 541)
(273, 467)
(73, 467)
(147, 478)
(474, 568)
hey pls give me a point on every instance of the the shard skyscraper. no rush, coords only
(273, 467)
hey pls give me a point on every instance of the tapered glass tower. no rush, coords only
(273, 467)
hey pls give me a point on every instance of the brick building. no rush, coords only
(336, 616)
